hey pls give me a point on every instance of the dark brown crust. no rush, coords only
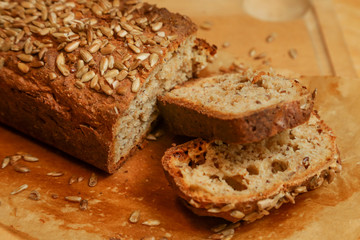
(249, 204)
(77, 121)
(192, 120)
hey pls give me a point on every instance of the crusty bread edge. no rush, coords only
(255, 207)
(191, 120)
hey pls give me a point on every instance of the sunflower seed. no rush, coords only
(23, 67)
(107, 31)
(271, 37)
(151, 137)
(52, 76)
(5, 162)
(108, 49)
(206, 25)
(106, 89)
(121, 75)
(226, 44)
(21, 168)
(260, 56)
(96, 9)
(85, 55)
(142, 56)
(79, 84)
(111, 62)
(55, 174)
(30, 158)
(104, 63)
(60, 63)
(94, 81)
(93, 180)
(237, 214)
(15, 158)
(80, 179)
(135, 87)
(88, 76)
(252, 52)
(293, 53)
(135, 216)
(73, 198)
(81, 72)
(25, 57)
(134, 48)
(83, 204)
(19, 189)
(94, 47)
(154, 58)
(116, 3)
(72, 46)
(34, 195)
(156, 26)
(126, 26)
(72, 180)
(219, 228)
(111, 74)
(151, 222)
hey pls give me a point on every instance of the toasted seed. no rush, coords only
(260, 56)
(37, 64)
(227, 207)
(206, 25)
(161, 34)
(15, 158)
(151, 137)
(226, 44)
(23, 67)
(237, 214)
(21, 168)
(104, 64)
(52, 76)
(55, 174)
(30, 158)
(93, 180)
(85, 55)
(154, 58)
(79, 84)
(271, 37)
(252, 52)
(94, 81)
(5, 162)
(134, 48)
(156, 26)
(122, 33)
(80, 179)
(111, 62)
(126, 26)
(135, 216)
(19, 189)
(94, 47)
(83, 204)
(151, 222)
(135, 87)
(60, 63)
(121, 75)
(108, 49)
(73, 198)
(293, 53)
(34, 195)
(72, 180)
(87, 76)
(107, 89)
(119, 65)
(25, 57)
(111, 74)
(107, 31)
(116, 3)
(82, 71)
(142, 56)
(72, 46)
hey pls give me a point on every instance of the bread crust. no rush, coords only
(253, 206)
(186, 118)
(77, 121)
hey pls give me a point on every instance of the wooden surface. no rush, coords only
(146, 188)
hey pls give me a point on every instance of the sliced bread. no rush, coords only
(236, 107)
(243, 182)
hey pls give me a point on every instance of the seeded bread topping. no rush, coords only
(81, 73)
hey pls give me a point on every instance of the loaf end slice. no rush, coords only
(244, 182)
(236, 107)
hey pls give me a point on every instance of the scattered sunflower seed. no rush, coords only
(93, 180)
(219, 228)
(5, 162)
(21, 168)
(226, 45)
(73, 198)
(19, 189)
(151, 137)
(135, 216)
(80, 179)
(55, 174)
(34, 195)
(271, 37)
(30, 158)
(206, 25)
(14, 159)
(72, 180)
(293, 53)
(252, 52)
(151, 222)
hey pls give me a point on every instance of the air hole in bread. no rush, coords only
(279, 166)
(253, 170)
(236, 182)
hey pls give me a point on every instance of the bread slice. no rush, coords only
(236, 107)
(87, 82)
(243, 182)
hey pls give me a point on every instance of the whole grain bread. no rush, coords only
(243, 182)
(83, 75)
(236, 107)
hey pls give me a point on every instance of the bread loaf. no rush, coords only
(83, 75)
(243, 182)
(236, 107)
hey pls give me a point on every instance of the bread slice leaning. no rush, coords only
(236, 107)
(243, 182)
